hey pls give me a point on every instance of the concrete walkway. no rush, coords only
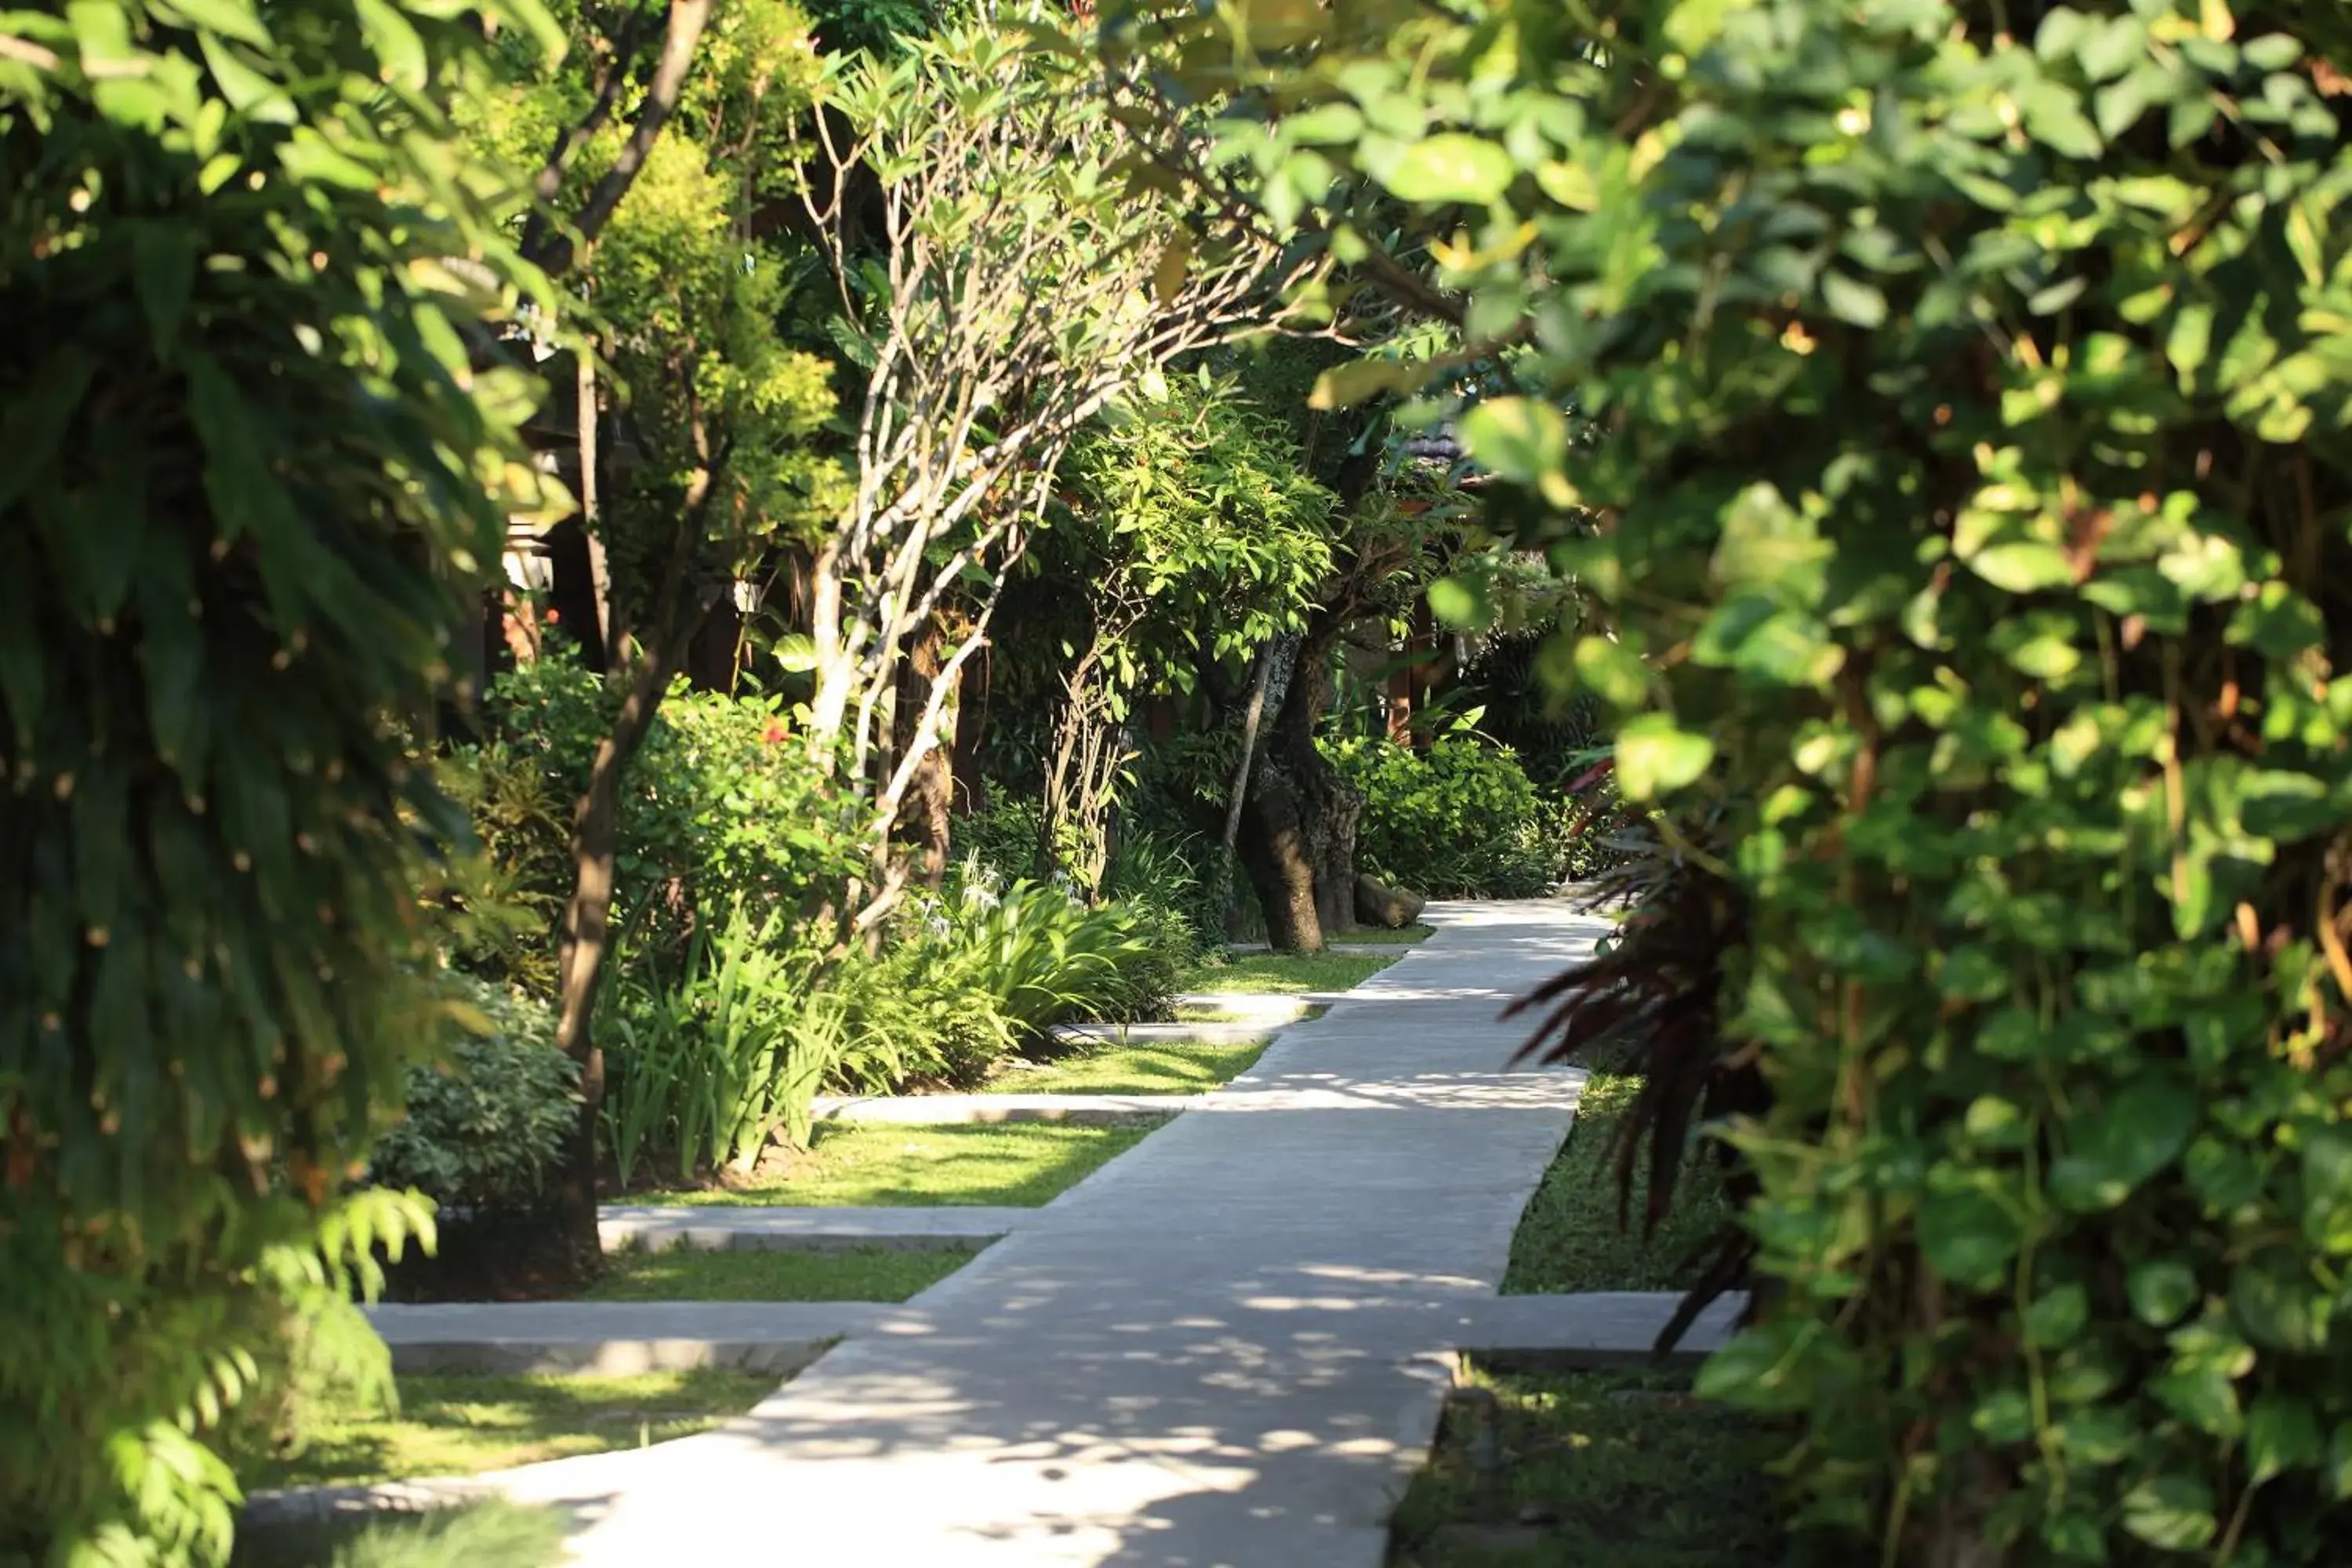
(1228, 1347)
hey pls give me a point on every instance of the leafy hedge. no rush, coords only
(486, 1123)
(1973, 502)
(1459, 819)
(249, 470)
(1968, 384)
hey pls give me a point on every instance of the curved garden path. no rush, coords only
(1227, 1347)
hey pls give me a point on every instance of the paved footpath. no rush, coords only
(1227, 1348)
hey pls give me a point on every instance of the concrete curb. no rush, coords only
(959, 1110)
(620, 1338)
(720, 1227)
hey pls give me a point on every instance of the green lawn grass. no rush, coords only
(1627, 1469)
(761, 1274)
(868, 1165)
(465, 1426)
(1280, 973)
(478, 1535)
(1185, 1067)
(1568, 1239)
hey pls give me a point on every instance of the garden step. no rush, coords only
(1588, 1328)
(1260, 1008)
(1236, 1033)
(718, 1226)
(1344, 949)
(940, 1110)
(618, 1339)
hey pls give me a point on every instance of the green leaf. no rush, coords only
(1344, 385)
(2282, 1435)
(163, 273)
(2023, 567)
(230, 19)
(2277, 1303)
(1459, 605)
(1449, 167)
(1851, 300)
(2161, 1291)
(37, 418)
(1655, 755)
(1968, 1236)
(2140, 1129)
(1613, 672)
(1516, 438)
(394, 41)
(2059, 1315)
(2174, 1513)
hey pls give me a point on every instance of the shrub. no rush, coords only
(1458, 820)
(1969, 499)
(249, 474)
(486, 1123)
(723, 801)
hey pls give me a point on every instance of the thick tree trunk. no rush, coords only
(1273, 853)
(1323, 806)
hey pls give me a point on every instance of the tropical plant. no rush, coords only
(1457, 818)
(259, 438)
(1969, 383)
(485, 1122)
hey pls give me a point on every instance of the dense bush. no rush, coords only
(487, 1122)
(1971, 499)
(1459, 819)
(723, 802)
(248, 473)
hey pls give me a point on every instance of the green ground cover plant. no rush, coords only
(1624, 1470)
(1573, 1235)
(452, 1425)
(1019, 1167)
(495, 1532)
(766, 1274)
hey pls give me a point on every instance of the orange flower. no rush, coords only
(774, 731)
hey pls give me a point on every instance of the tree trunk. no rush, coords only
(587, 933)
(1273, 853)
(1323, 808)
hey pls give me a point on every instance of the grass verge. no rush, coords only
(1618, 1468)
(1568, 1239)
(1184, 1067)
(465, 1426)
(854, 1165)
(476, 1536)
(1283, 973)
(749, 1273)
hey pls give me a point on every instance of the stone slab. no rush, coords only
(1592, 1329)
(617, 1338)
(1241, 1033)
(718, 1227)
(947, 1110)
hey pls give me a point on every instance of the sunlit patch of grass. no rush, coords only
(1282, 974)
(492, 1534)
(870, 1164)
(450, 1425)
(1175, 1068)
